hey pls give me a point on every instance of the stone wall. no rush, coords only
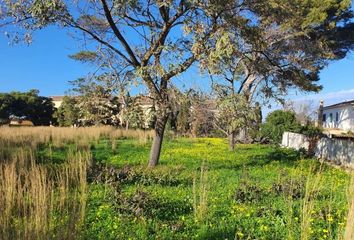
(334, 150)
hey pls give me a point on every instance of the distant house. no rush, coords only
(145, 102)
(20, 123)
(57, 100)
(338, 116)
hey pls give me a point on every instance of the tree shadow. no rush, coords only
(286, 157)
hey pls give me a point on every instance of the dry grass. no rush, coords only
(200, 196)
(47, 201)
(312, 188)
(40, 201)
(349, 229)
(60, 136)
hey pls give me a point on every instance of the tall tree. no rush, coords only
(68, 112)
(279, 45)
(235, 114)
(157, 49)
(282, 45)
(27, 105)
(201, 114)
(97, 102)
(132, 114)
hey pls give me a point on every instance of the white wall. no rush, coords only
(337, 151)
(57, 104)
(345, 121)
(295, 141)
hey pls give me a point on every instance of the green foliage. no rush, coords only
(277, 123)
(97, 102)
(68, 112)
(200, 191)
(234, 113)
(46, 12)
(255, 192)
(27, 105)
(85, 56)
(311, 131)
(279, 45)
(132, 114)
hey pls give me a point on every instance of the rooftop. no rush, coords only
(338, 133)
(346, 103)
(57, 98)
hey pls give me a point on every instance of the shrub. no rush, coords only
(277, 123)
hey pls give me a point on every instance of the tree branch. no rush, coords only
(143, 23)
(116, 31)
(160, 41)
(181, 68)
(97, 38)
(218, 127)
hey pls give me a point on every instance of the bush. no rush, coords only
(311, 131)
(277, 123)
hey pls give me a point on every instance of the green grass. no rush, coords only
(201, 190)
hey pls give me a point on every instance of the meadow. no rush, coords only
(92, 183)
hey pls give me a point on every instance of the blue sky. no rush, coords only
(44, 65)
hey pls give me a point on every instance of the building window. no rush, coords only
(337, 117)
(324, 118)
(331, 117)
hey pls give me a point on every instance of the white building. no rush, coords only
(339, 116)
(57, 101)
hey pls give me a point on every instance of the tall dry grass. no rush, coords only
(47, 201)
(349, 229)
(200, 193)
(59, 136)
(42, 201)
(312, 189)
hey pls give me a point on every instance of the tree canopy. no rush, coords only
(97, 102)
(68, 113)
(280, 45)
(26, 105)
(277, 122)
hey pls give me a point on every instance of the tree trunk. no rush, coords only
(157, 142)
(231, 138)
(173, 121)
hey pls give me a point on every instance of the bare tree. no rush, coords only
(305, 111)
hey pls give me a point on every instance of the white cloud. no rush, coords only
(328, 98)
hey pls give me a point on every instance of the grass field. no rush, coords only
(200, 190)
